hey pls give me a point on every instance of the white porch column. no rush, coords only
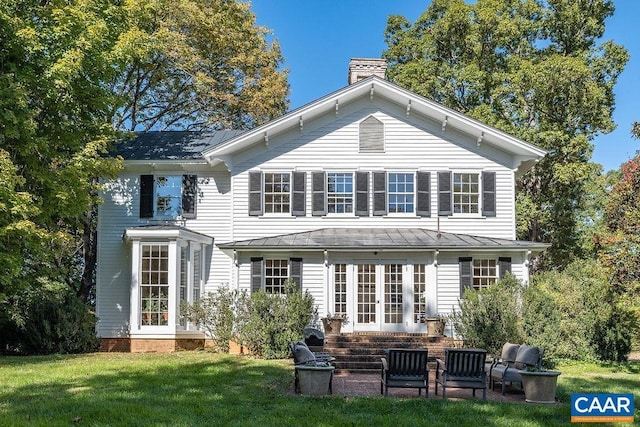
(174, 282)
(134, 294)
(432, 285)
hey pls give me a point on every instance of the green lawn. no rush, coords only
(200, 388)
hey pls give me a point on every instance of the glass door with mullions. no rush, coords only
(379, 297)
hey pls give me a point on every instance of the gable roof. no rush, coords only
(376, 87)
(358, 239)
(172, 145)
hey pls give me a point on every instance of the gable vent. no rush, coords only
(371, 135)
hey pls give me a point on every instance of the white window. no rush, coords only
(400, 192)
(154, 285)
(419, 292)
(340, 192)
(340, 289)
(276, 274)
(485, 273)
(277, 192)
(393, 305)
(168, 196)
(466, 193)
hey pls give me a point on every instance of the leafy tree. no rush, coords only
(575, 314)
(56, 126)
(195, 64)
(69, 70)
(533, 69)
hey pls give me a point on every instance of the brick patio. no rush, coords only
(357, 384)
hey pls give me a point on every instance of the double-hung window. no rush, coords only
(275, 276)
(339, 192)
(277, 192)
(168, 196)
(271, 275)
(480, 273)
(400, 192)
(485, 273)
(466, 193)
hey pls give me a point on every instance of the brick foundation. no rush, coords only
(146, 345)
(115, 345)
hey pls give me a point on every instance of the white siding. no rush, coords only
(329, 143)
(334, 147)
(121, 210)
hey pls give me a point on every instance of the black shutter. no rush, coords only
(466, 274)
(319, 207)
(423, 194)
(504, 265)
(146, 196)
(299, 200)
(489, 193)
(362, 193)
(379, 193)
(295, 271)
(255, 193)
(444, 193)
(189, 195)
(256, 274)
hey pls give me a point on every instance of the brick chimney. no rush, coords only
(361, 68)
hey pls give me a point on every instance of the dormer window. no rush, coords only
(371, 135)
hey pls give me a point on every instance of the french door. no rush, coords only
(379, 302)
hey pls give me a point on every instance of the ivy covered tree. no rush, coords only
(533, 69)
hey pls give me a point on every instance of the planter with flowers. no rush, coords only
(333, 323)
(436, 324)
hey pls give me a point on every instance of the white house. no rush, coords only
(382, 204)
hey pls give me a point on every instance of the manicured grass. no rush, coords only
(200, 388)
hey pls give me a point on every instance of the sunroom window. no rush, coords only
(167, 269)
(154, 285)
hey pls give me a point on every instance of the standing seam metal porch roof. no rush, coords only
(380, 238)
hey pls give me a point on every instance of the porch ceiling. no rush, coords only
(380, 238)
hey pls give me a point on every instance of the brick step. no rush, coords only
(362, 352)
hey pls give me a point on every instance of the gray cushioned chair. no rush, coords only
(302, 354)
(527, 357)
(507, 357)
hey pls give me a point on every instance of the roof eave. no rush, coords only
(375, 85)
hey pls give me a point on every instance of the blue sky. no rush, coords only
(318, 37)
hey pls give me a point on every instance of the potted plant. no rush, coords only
(314, 377)
(539, 385)
(436, 324)
(333, 323)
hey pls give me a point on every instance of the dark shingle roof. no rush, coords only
(371, 238)
(171, 145)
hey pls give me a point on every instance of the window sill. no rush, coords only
(467, 216)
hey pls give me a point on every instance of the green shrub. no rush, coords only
(490, 317)
(575, 314)
(51, 319)
(215, 313)
(268, 322)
